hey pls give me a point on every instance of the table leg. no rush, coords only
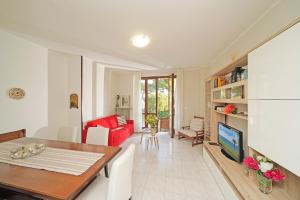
(156, 141)
(148, 142)
(106, 171)
(142, 137)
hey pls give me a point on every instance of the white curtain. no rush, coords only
(179, 100)
(137, 102)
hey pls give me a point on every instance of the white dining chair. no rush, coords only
(99, 136)
(67, 134)
(44, 133)
(118, 186)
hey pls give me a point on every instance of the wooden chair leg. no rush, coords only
(106, 171)
(180, 136)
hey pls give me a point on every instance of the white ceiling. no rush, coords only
(184, 33)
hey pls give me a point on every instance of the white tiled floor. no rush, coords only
(174, 172)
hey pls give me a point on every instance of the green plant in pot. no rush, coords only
(152, 121)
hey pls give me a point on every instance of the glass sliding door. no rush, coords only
(157, 100)
(163, 100)
(151, 97)
(143, 99)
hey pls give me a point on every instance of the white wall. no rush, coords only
(23, 64)
(193, 94)
(108, 108)
(74, 85)
(285, 12)
(117, 82)
(98, 90)
(123, 86)
(93, 85)
(87, 89)
(58, 93)
(166, 72)
(64, 76)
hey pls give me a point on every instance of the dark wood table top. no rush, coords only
(52, 185)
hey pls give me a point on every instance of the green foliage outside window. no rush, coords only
(163, 97)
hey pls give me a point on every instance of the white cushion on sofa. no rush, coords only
(121, 120)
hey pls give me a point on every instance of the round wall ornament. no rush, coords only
(16, 93)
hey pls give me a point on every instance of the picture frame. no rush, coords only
(118, 101)
(73, 101)
(125, 101)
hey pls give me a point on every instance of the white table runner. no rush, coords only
(52, 159)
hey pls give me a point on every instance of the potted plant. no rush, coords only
(152, 121)
(265, 172)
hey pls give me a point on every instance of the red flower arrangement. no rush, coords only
(264, 167)
(264, 171)
(230, 108)
(251, 163)
(275, 174)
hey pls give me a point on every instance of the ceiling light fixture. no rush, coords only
(140, 40)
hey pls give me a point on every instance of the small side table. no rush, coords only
(145, 131)
(152, 138)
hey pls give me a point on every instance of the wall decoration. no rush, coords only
(74, 101)
(118, 101)
(125, 101)
(16, 93)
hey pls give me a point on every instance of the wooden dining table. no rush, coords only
(47, 184)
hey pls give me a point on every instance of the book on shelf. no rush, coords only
(218, 82)
(221, 81)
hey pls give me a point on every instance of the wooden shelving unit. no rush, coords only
(207, 109)
(244, 185)
(243, 100)
(239, 116)
(231, 85)
(237, 101)
(223, 95)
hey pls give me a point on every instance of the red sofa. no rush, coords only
(117, 134)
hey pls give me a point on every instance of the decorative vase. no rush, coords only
(246, 170)
(264, 184)
(153, 131)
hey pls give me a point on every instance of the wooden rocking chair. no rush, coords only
(194, 132)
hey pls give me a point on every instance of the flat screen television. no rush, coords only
(231, 142)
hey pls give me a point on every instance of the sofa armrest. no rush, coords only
(130, 121)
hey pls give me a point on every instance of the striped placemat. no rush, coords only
(52, 159)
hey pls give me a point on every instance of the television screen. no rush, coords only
(230, 140)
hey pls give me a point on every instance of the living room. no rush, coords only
(175, 100)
